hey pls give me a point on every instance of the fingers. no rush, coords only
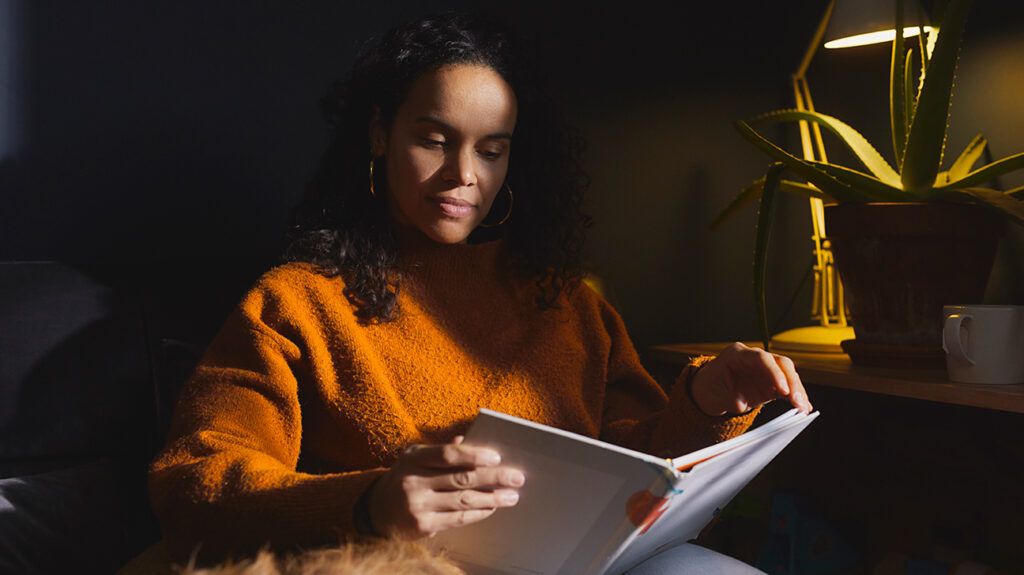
(487, 477)
(434, 487)
(470, 499)
(757, 376)
(769, 377)
(450, 455)
(742, 377)
(797, 393)
(429, 503)
(462, 507)
(448, 519)
(776, 375)
(444, 500)
(428, 523)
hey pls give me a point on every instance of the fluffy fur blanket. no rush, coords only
(386, 557)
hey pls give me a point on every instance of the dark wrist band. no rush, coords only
(361, 513)
(688, 383)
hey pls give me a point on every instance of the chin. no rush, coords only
(448, 232)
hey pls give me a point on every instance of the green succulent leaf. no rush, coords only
(873, 188)
(857, 143)
(763, 239)
(801, 189)
(966, 160)
(753, 191)
(910, 99)
(927, 137)
(1001, 202)
(832, 187)
(986, 173)
(925, 44)
(898, 108)
(747, 195)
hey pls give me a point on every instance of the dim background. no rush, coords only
(161, 145)
(172, 138)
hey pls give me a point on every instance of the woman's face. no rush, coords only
(447, 151)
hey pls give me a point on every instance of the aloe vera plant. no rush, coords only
(919, 123)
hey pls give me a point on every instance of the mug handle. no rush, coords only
(951, 343)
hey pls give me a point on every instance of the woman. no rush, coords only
(434, 269)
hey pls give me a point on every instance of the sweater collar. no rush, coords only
(424, 258)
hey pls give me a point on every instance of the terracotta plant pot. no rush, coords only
(900, 263)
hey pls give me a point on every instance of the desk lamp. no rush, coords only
(844, 24)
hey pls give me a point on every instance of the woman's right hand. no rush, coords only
(431, 488)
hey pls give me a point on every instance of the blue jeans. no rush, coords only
(689, 559)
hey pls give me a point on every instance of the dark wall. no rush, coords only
(656, 90)
(180, 133)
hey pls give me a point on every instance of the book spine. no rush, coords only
(661, 489)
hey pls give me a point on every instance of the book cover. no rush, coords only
(593, 507)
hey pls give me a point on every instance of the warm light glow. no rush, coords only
(874, 37)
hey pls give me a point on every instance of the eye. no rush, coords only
(432, 143)
(491, 154)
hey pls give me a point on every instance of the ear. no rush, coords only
(378, 135)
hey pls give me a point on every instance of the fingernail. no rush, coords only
(516, 478)
(509, 497)
(490, 458)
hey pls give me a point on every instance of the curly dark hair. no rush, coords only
(343, 229)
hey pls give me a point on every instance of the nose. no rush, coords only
(460, 167)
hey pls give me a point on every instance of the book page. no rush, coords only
(702, 492)
(689, 460)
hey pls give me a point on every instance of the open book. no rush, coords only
(589, 507)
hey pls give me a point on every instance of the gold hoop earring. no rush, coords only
(511, 201)
(373, 192)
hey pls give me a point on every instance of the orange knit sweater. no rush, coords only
(296, 408)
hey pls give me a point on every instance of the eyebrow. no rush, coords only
(442, 124)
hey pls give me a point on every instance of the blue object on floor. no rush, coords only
(802, 543)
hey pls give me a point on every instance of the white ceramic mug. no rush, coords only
(984, 343)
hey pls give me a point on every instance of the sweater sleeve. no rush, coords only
(639, 415)
(226, 480)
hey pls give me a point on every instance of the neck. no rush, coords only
(410, 238)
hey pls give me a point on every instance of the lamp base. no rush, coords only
(812, 339)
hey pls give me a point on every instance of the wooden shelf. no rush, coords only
(835, 370)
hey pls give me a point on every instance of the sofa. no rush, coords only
(78, 420)
(91, 359)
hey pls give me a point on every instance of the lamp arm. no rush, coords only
(812, 48)
(828, 301)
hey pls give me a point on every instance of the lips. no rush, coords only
(454, 207)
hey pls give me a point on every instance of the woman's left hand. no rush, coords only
(742, 378)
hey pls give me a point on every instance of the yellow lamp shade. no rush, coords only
(861, 22)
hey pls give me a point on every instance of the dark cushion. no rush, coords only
(75, 370)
